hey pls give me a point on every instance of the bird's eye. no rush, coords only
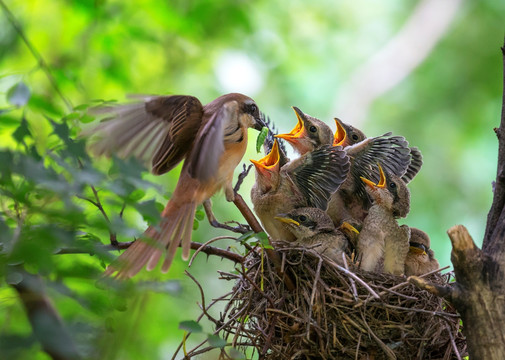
(355, 137)
(252, 109)
(312, 129)
(392, 185)
(302, 218)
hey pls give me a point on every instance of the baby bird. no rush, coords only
(381, 237)
(306, 181)
(351, 203)
(346, 134)
(313, 227)
(309, 133)
(420, 258)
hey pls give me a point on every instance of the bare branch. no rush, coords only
(465, 256)
(495, 227)
(46, 323)
(209, 250)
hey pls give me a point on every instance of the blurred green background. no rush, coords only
(428, 70)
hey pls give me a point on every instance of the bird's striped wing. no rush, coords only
(319, 173)
(392, 152)
(160, 130)
(416, 162)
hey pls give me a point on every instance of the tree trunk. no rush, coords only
(479, 291)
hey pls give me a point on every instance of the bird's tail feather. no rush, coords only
(176, 225)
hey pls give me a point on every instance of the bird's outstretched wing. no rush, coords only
(392, 152)
(416, 161)
(160, 130)
(209, 144)
(319, 173)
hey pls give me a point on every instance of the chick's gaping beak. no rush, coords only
(270, 162)
(380, 184)
(340, 138)
(298, 131)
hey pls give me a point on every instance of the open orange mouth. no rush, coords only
(298, 131)
(269, 162)
(380, 184)
(340, 135)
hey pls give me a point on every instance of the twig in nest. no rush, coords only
(313, 295)
(389, 353)
(355, 277)
(353, 284)
(444, 291)
(453, 342)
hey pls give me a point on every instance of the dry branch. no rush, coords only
(46, 323)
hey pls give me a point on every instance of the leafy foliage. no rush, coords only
(299, 55)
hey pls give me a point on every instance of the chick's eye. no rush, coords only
(392, 185)
(355, 137)
(302, 218)
(312, 129)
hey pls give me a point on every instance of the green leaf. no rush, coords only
(61, 130)
(190, 326)
(261, 138)
(196, 224)
(216, 341)
(136, 195)
(72, 116)
(263, 239)
(159, 206)
(236, 355)
(81, 107)
(148, 210)
(19, 94)
(199, 215)
(21, 131)
(86, 119)
(243, 238)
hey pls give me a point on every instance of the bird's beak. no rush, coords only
(418, 249)
(346, 226)
(259, 123)
(340, 135)
(270, 162)
(298, 131)
(380, 184)
(286, 219)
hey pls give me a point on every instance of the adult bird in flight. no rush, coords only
(164, 130)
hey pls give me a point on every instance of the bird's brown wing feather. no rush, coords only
(184, 115)
(392, 152)
(416, 162)
(320, 174)
(209, 144)
(160, 129)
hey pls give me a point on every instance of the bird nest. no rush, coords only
(335, 312)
